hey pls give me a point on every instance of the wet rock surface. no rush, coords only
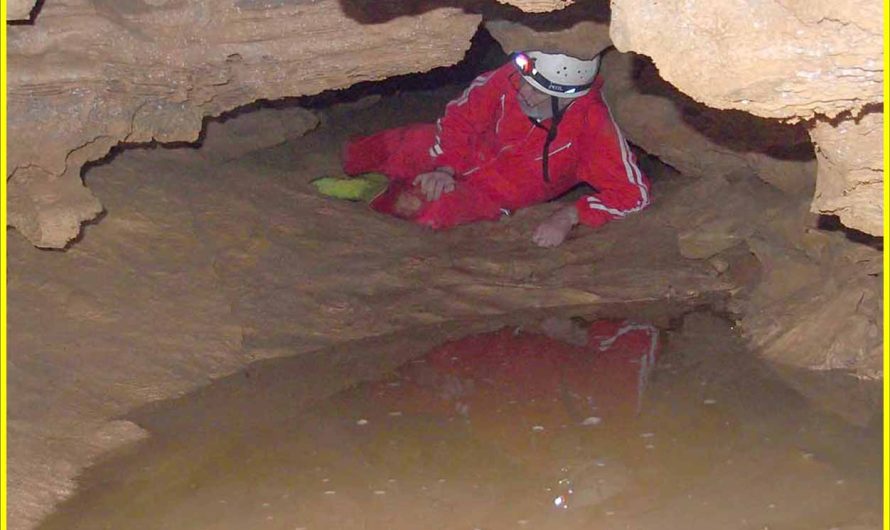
(205, 263)
(488, 430)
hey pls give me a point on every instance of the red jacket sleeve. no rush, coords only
(607, 164)
(469, 121)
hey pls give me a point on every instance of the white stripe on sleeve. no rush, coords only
(634, 175)
(479, 81)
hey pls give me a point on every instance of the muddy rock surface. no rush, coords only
(204, 263)
(656, 419)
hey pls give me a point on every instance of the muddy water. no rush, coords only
(569, 423)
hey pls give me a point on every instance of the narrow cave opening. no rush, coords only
(369, 372)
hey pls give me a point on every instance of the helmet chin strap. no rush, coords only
(551, 135)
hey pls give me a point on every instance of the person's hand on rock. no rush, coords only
(556, 228)
(435, 183)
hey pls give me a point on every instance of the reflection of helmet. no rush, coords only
(556, 74)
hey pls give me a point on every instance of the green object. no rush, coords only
(361, 188)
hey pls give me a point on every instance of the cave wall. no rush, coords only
(821, 61)
(851, 178)
(90, 74)
(776, 59)
(18, 9)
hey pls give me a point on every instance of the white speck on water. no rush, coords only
(650, 446)
(559, 501)
(330, 492)
(592, 420)
(269, 517)
(396, 413)
(266, 505)
(522, 522)
(647, 435)
(379, 492)
(362, 422)
(325, 479)
(710, 401)
(538, 428)
(771, 506)
(390, 480)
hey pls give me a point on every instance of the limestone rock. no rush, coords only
(773, 59)
(813, 301)
(700, 141)
(538, 6)
(711, 238)
(89, 75)
(48, 209)
(829, 330)
(818, 305)
(19, 9)
(583, 40)
(850, 181)
(245, 132)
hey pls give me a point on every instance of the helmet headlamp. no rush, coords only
(556, 74)
(524, 63)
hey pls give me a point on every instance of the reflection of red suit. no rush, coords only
(516, 386)
(497, 154)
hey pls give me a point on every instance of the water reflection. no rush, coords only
(565, 424)
(526, 397)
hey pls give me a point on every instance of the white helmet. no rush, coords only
(556, 74)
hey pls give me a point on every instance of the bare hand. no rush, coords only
(566, 330)
(435, 183)
(553, 231)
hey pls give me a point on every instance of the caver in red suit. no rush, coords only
(497, 152)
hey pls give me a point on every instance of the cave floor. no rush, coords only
(205, 264)
(602, 422)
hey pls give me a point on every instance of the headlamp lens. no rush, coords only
(524, 63)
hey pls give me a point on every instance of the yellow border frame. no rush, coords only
(886, 12)
(3, 371)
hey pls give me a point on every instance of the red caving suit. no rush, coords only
(496, 152)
